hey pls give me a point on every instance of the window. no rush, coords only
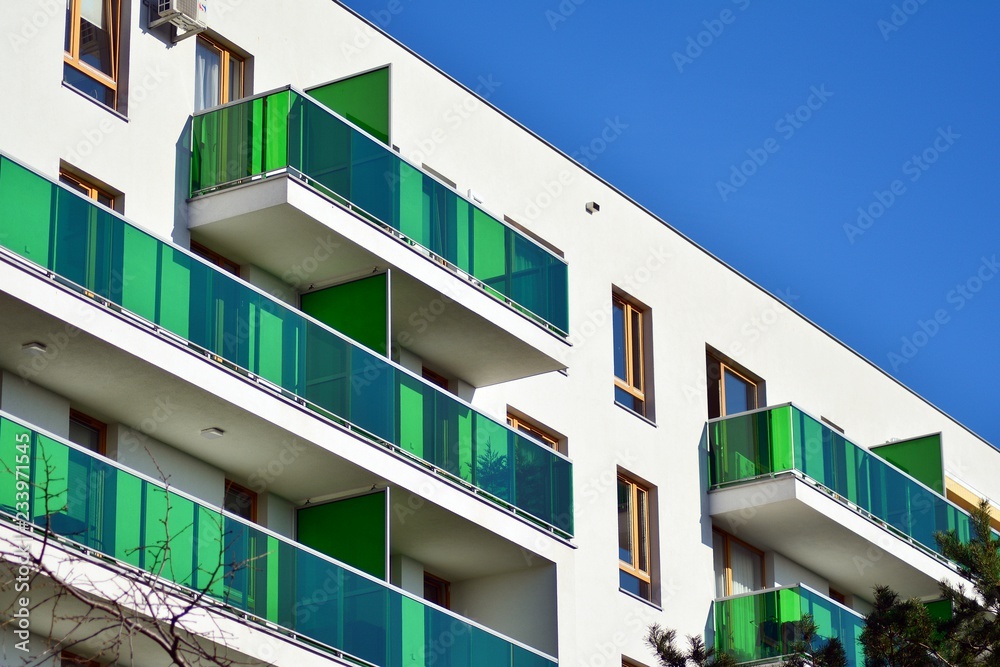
(219, 74)
(215, 258)
(631, 378)
(240, 501)
(99, 194)
(90, 63)
(434, 378)
(730, 390)
(633, 538)
(88, 432)
(739, 568)
(837, 596)
(532, 431)
(437, 590)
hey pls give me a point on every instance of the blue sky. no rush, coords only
(759, 129)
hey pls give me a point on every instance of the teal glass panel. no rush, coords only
(749, 445)
(233, 143)
(88, 500)
(239, 141)
(248, 331)
(779, 439)
(762, 626)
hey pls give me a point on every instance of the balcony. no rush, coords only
(785, 481)
(93, 251)
(95, 503)
(759, 626)
(294, 157)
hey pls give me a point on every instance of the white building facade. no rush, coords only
(293, 320)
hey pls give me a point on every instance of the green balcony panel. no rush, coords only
(365, 518)
(785, 439)
(289, 130)
(762, 626)
(91, 501)
(358, 309)
(920, 457)
(102, 253)
(362, 99)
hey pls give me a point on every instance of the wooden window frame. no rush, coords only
(435, 378)
(227, 53)
(210, 255)
(634, 386)
(97, 425)
(727, 561)
(230, 484)
(88, 188)
(633, 568)
(442, 584)
(722, 367)
(521, 425)
(72, 57)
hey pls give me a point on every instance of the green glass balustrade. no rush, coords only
(88, 500)
(289, 130)
(99, 251)
(762, 625)
(784, 438)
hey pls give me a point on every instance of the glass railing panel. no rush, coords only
(85, 498)
(784, 438)
(101, 252)
(288, 129)
(750, 445)
(764, 625)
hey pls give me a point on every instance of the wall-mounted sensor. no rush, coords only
(593, 207)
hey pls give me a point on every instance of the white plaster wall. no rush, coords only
(33, 404)
(270, 283)
(162, 462)
(785, 572)
(407, 573)
(277, 514)
(519, 604)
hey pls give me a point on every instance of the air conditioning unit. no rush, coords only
(188, 16)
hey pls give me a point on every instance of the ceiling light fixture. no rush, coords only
(34, 347)
(212, 433)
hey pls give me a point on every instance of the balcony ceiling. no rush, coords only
(808, 526)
